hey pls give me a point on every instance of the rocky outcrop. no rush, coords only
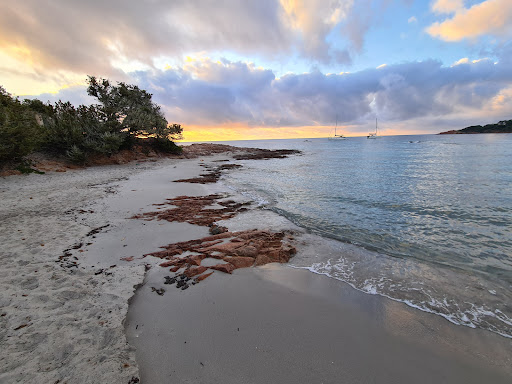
(211, 177)
(194, 210)
(239, 153)
(235, 249)
(264, 154)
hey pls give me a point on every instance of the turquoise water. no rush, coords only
(428, 218)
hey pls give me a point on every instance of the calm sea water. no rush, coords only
(422, 219)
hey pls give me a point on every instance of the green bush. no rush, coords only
(20, 133)
(167, 146)
(76, 155)
(63, 129)
(25, 167)
(124, 116)
(78, 133)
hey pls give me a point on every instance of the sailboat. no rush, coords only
(336, 136)
(373, 135)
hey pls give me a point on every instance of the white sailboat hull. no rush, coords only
(373, 135)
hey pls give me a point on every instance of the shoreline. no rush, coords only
(139, 187)
(278, 324)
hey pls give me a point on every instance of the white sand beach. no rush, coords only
(72, 259)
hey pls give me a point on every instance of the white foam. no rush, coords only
(473, 317)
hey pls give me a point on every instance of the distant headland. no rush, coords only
(504, 126)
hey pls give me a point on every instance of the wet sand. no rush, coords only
(275, 324)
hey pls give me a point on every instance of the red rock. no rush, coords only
(226, 268)
(240, 262)
(194, 271)
(175, 261)
(262, 260)
(274, 256)
(247, 251)
(226, 248)
(193, 210)
(239, 249)
(223, 235)
(202, 277)
(195, 259)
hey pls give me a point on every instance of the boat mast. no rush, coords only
(375, 126)
(336, 126)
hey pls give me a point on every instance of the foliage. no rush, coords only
(127, 108)
(19, 131)
(76, 155)
(79, 132)
(38, 107)
(25, 167)
(168, 146)
(124, 116)
(504, 126)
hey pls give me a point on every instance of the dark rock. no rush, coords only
(160, 291)
(217, 229)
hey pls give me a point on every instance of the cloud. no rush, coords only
(112, 38)
(358, 24)
(464, 60)
(447, 6)
(314, 20)
(76, 95)
(412, 19)
(238, 95)
(491, 17)
(217, 93)
(87, 36)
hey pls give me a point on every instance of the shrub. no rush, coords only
(76, 155)
(20, 133)
(127, 108)
(63, 130)
(167, 146)
(125, 114)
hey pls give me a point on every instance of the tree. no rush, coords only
(125, 114)
(127, 108)
(78, 132)
(20, 132)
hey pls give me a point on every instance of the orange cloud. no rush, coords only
(490, 17)
(20, 78)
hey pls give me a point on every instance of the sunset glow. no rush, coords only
(273, 69)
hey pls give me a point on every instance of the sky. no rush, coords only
(270, 69)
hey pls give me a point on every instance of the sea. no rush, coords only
(423, 219)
